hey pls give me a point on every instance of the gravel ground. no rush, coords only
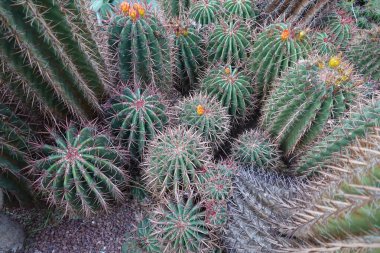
(104, 233)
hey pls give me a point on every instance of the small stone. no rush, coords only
(12, 235)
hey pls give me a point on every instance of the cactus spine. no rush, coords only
(53, 59)
(175, 8)
(323, 44)
(205, 12)
(341, 27)
(243, 9)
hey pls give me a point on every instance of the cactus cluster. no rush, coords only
(341, 26)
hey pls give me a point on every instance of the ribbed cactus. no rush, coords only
(188, 58)
(240, 9)
(136, 118)
(232, 88)
(205, 115)
(254, 148)
(205, 12)
(175, 8)
(173, 160)
(341, 27)
(49, 52)
(15, 136)
(82, 172)
(304, 100)
(277, 48)
(365, 53)
(322, 44)
(355, 126)
(139, 42)
(229, 43)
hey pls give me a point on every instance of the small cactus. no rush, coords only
(206, 115)
(82, 172)
(205, 12)
(323, 45)
(341, 27)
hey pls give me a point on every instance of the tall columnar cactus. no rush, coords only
(341, 27)
(255, 149)
(365, 53)
(355, 126)
(323, 45)
(136, 118)
(240, 9)
(277, 48)
(175, 8)
(205, 12)
(229, 43)
(173, 160)
(15, 136)
(188, 58)
(232, 88)
(48, 57)
(181, 227)
(205, 115)
(82, 172)
(304, 100)
(139, 41)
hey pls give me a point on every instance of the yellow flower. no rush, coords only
(133, 14)
(334, 62)
(124, 7)
(185, 32)
(301, 35)
(200, 110)
(227, 70)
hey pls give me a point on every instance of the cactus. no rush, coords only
(139, 41)
(205, 12)
(181, 227)
(277, 48)
(255, 149)
(232, 88)
(355, 126)
(323, 45)
(15, 136)
(229, 43)
(188, 57)
(341, 27)
(48, 50)
(216, 214)
(365, 53)
(304, 100)
(244, 9)
(206, 115)
(173, 160)
(136, 118)
(82, 172)
(175, 8)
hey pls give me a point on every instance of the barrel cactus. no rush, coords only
(175, 8)
(136, 118)
(305, 98)
(139, 41)
(341, 27)
(206, 115)
(82, 171)
(229, 43)
(205, 12)
(277, 48)
(232, 88)
(240, 9)
(172, 161)
(322, 44)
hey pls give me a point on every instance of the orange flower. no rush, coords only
(139, 9)
(200, 110)
(285, 34)
(227, 70)
(133, 14)
(124, 7)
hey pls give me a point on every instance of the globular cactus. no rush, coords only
(15, 137)
(181, 227)
(305, 98)
(82, 172)
(206, 116)
(205, 12)
(229, 43)
(136, 118)
(341, 27)
(232, 88)
(175, 8)
(138, 40)
(188, 57)
(254, 148)
(240, 9)
(49, 59)
(322, 44)
(173, 160)
(277, 48)
(216, 214)
(356, 125)
(365, 53)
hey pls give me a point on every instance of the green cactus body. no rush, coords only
(142, 48)
(136, 118)
(216, 214)
(277, 48)
(188, 58)
(322, 44)
(175, 8)
(172, 161)
(244, 9)
(366, 55)
(15, 135)
(341, 28)
(232, 88)
(355, 126)
(206, 115)
(205, 12)
(255, 149)
(48, 47)
(145, 237)
(304, 100)
(82, 172)
(229, 43)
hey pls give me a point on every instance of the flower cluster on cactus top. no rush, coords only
(134, 12)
